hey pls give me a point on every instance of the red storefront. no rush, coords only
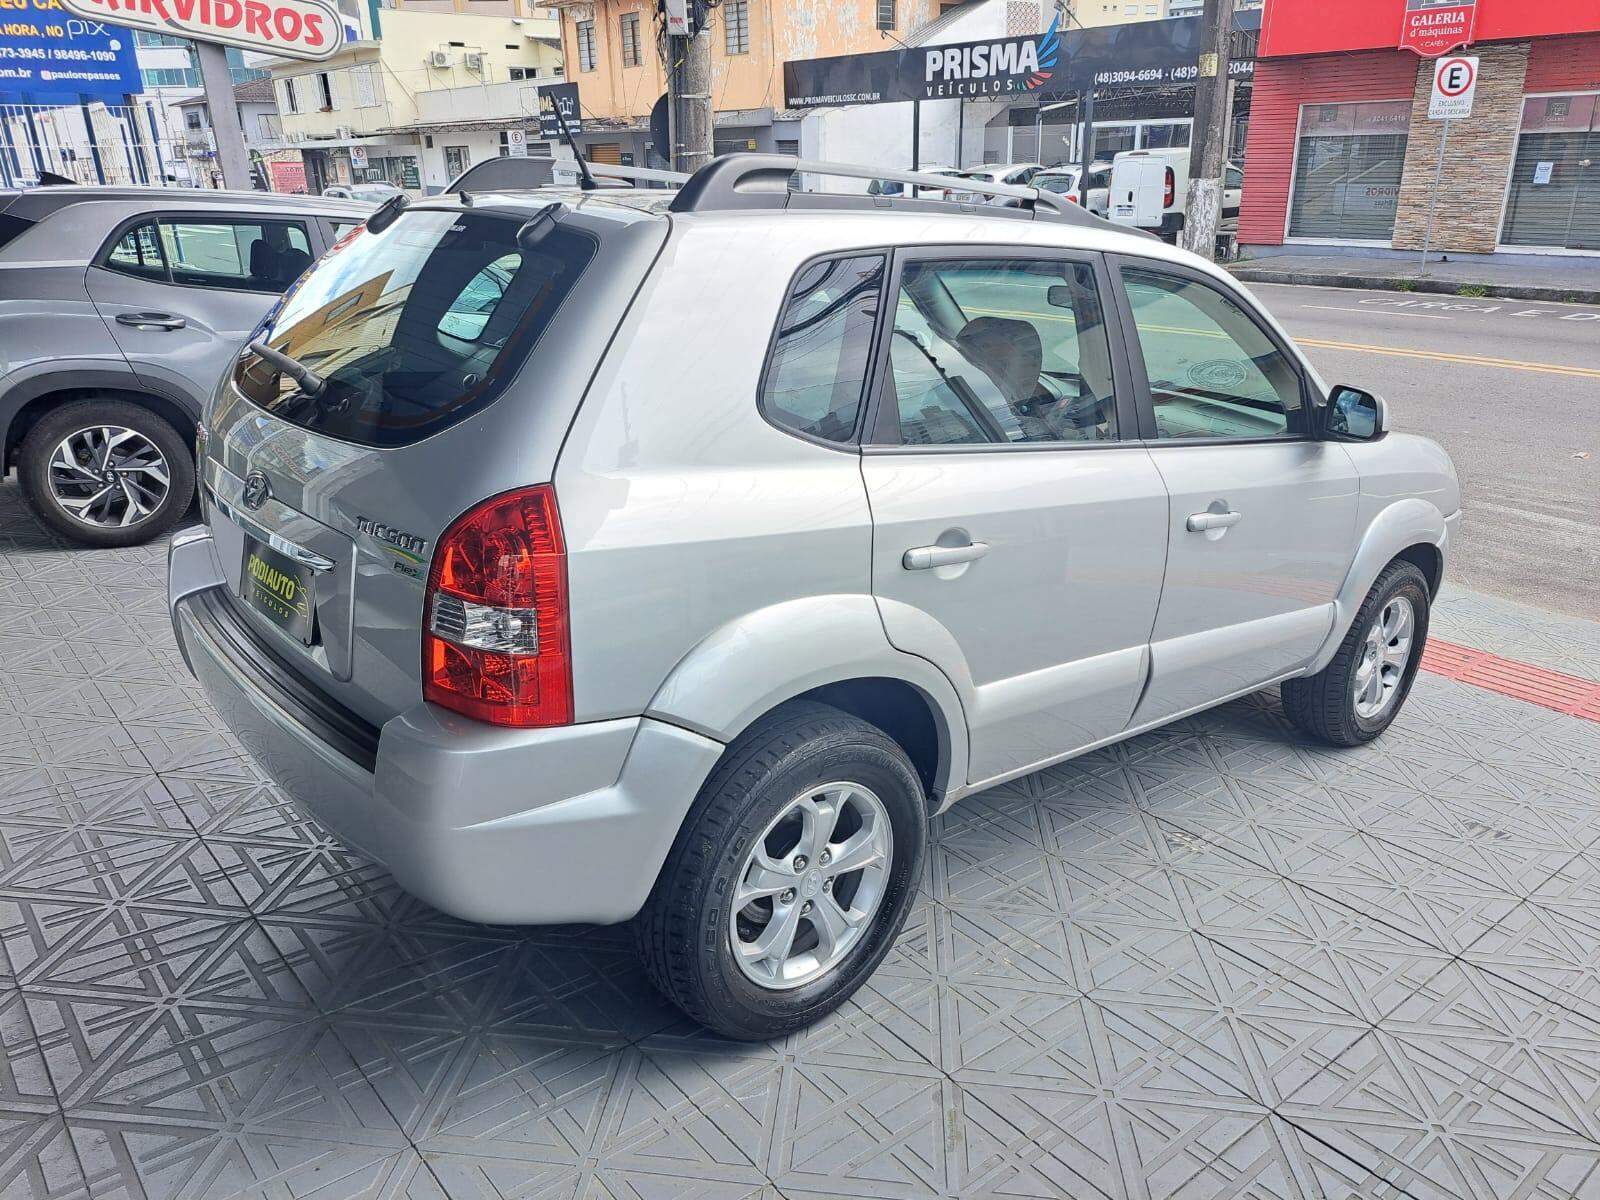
(1341, 150)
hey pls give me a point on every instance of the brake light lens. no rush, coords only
(1172, 189)
(496, 642)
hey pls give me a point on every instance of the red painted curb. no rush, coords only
(1521, 681)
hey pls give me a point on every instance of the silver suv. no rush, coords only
(672, 557)
(119, 308)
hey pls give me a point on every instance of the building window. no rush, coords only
(585, 35)
(291, 102)
(886, 14)
(142, 38)
(630, 39)
(325, 91)
(184, 77)
(736, 26)
(524, 72)
(1555, 178)
(1347, 170)
(191, 119)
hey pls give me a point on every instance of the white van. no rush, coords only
(1148, 189)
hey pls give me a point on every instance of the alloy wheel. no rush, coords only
(1385, 652)
(811, 885)
(108, 476)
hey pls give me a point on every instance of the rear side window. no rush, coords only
(818, 373)
(249, 256)
(11, 227)
(415, 327)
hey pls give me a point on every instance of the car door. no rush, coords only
(1019, 534)
(181, 292)
(1263, 516)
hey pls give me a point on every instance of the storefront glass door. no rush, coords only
(1555, 183)
(1347, 170)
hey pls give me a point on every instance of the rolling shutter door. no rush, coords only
(1555, 181)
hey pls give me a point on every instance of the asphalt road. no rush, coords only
(1512, 390)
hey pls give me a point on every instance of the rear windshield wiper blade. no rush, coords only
(308, 380)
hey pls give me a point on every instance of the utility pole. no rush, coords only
(689, 84)
(1208, 147)
(232, 157)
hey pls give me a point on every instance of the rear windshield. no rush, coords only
(416, 327)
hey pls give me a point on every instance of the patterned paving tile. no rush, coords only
(1216, 961)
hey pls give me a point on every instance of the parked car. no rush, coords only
(119, 310)
(1063, 181)
(369, 193)
(1014, 174)
(1149, 189)
(893, 187)
(752, 528)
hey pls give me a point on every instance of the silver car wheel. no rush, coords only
(811, 885)
(1385, 652)
(108, 476)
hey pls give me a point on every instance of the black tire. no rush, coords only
(1323, 704)
(682, 933)
(33, 465)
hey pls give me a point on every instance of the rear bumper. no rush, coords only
(507, 826)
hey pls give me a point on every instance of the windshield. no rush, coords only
(1056, 183)
(415, 327)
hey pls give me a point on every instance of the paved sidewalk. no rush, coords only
(1216, 961)
(1575, 280)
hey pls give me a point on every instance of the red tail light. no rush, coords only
(1172, 189)
(496, 641)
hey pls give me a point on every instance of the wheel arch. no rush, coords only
(43, 396)
(1411, 529)
(826, 648)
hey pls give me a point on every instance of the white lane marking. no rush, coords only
(1398, 312)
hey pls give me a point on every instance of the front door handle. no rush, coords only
(1201, 522)
(151, 320)
(925, 558)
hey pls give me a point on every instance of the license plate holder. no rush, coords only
(279, 588)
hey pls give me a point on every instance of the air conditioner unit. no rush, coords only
(474, 61)
(439, 59)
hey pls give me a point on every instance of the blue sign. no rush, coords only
(49, 56)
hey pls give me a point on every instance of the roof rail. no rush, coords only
(523, 174)
(749, 181)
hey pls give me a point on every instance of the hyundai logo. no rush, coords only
(256, 490)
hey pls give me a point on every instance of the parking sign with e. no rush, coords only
(1455, 83)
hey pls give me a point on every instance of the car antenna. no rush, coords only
(586, 182)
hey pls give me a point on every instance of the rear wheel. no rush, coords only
(106, 472)
(791, 877)
(1356, 696)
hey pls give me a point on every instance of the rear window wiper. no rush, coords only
(305, 378)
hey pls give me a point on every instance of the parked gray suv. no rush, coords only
(119, 308)
(673, 557)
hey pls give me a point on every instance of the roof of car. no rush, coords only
(38, 202)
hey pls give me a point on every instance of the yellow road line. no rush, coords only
(1471, 360)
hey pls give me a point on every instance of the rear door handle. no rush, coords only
(924, 558)
(1201, 522)
(151, 320)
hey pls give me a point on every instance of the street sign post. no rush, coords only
(1455, 84)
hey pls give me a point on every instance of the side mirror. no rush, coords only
(1352, 415)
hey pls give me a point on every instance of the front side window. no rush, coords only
(251, 256)
(1214, 373)
(999, 351)
(820, 360)
(416, 326)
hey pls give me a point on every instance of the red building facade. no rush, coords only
(1341, 150)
